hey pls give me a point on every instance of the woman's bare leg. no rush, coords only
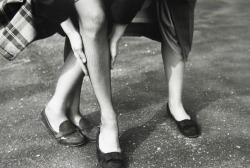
(174, 70)
(93, 29)
(69, 78)
(74, 98)
(74, 104)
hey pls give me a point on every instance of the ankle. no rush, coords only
(51, 110)
(109, 141)
(110, 127)
(175, 104)
(109, 122)
(178, 111)
(55, 106)
(75, 119)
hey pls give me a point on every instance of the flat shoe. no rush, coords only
(67, 135)
(108, 160)
(88, 130)
(187, 127)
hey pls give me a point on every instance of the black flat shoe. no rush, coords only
(187, 127)
(108, 160)
(68, 133)
(88, 130)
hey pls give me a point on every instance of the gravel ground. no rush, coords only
(216, 94)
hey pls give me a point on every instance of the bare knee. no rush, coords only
(93, 24)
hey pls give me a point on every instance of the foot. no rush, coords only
(109, 138)
(178, 111)
(67, 134)
(55, 117)
(108, 160)
(86, 128)
(186, 126)
(74, 115)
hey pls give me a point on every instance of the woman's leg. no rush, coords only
(73, 111)
(174, 70)
(71, 75)
(93, 29)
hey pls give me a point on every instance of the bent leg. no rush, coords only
(93, 29)
(56, 108)
(74, 98)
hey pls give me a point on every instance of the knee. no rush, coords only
(94, 23)
(98, 18)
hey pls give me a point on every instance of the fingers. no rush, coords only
(83, 66)
(81, 58)
(81, 55)
(77, 47)
(82, 61)
(113, 53)
(113, 58)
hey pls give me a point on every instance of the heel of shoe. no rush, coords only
(46, 123)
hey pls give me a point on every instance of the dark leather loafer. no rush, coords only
(68, 133)
(188, 128)
(88, 130)
(108, 160)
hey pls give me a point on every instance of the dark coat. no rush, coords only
(182, 12)
(52, 12)
(49, 14)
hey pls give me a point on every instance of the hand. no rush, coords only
(114, 40)
(77, 48)
(76, 43)
(114, 50)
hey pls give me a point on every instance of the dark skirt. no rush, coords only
(172, 21)
(154, 21)
(49, 14)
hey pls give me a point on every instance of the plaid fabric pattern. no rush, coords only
(17, 27)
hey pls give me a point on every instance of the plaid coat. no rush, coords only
(17, 27)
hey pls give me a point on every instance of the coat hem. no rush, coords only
(6, 54)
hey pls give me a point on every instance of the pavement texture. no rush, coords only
(216, 94)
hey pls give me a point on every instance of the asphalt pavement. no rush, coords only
(216, 94)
